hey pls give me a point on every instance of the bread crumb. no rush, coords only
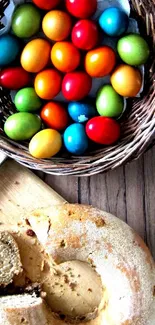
(100, 223)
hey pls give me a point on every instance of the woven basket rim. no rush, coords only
(138, 128)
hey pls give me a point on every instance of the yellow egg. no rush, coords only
(126, 80)
(35, 55)
(45, 144)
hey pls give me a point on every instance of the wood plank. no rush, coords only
(21, 191)
(135, 206)
(106, 191)
(66, 186)
(149, 180)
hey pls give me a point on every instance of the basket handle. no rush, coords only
(3, 157)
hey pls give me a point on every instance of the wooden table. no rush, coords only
(128, 192)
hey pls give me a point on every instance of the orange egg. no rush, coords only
(57, 25)
(35, 55)
(126, 80)
(47, 83)
(100, 61)
(65, 56)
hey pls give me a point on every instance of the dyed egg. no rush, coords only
(76, 85)
(75, 139)
(55, 115)
(108, 102)
(45, 144)
(47, 84)
(46, 5)
(9, 49)
(100, 62)
(65, 56)
(22, 126)
(81, 112)
(35, 55)
(57, 25)
(26, 20)
(14, 78)
(81, 8)
(114, 21)
(85, 34)
(126, 80)
(103, 130)
(26, 100)
(133, 49)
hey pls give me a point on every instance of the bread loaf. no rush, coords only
(10, 262)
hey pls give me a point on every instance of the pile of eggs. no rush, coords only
(65, 58)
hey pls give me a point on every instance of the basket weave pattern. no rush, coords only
(138, 124)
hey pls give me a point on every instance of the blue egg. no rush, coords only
(75, 139)
(9, 49)
(114, 21)
(81, 112)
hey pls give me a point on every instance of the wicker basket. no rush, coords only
(138, 126)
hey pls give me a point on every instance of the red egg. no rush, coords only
(103, 130)
(81, 8)
(55, 116)
(76, 85)
(46, 4)
(85, 34)
(14, 78)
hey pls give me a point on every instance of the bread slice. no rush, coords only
(24, 309)
(10, 262)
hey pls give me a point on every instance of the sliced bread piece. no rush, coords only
(24, 309)
(10, 262)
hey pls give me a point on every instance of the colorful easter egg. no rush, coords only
(57, 25)
(46, 5)
(114, 21)
(126, 80)
(26, 100)
(47, 83)
(22, 126)
(9, 49)
(133, 49)
(45, 144)
(14, 78)
(81, 112)
(76, 85)
(26, 20)
(103, 130)
(85, 34)
(65, 56)
(100, 61)
(55, 115)
(81, 8)
(108, 102)
(75, 139)
(35, 55)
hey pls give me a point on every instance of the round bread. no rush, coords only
(112, 249)
(10, 263)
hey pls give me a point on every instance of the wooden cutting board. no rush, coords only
(21, 191)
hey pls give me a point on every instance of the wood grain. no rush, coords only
(127, 192)
(21, 191)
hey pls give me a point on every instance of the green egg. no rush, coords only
(26, 100)
(22, 126)
(26, 20)
(133, 49)
(108, 102)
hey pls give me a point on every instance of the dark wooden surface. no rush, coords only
(127, 192)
